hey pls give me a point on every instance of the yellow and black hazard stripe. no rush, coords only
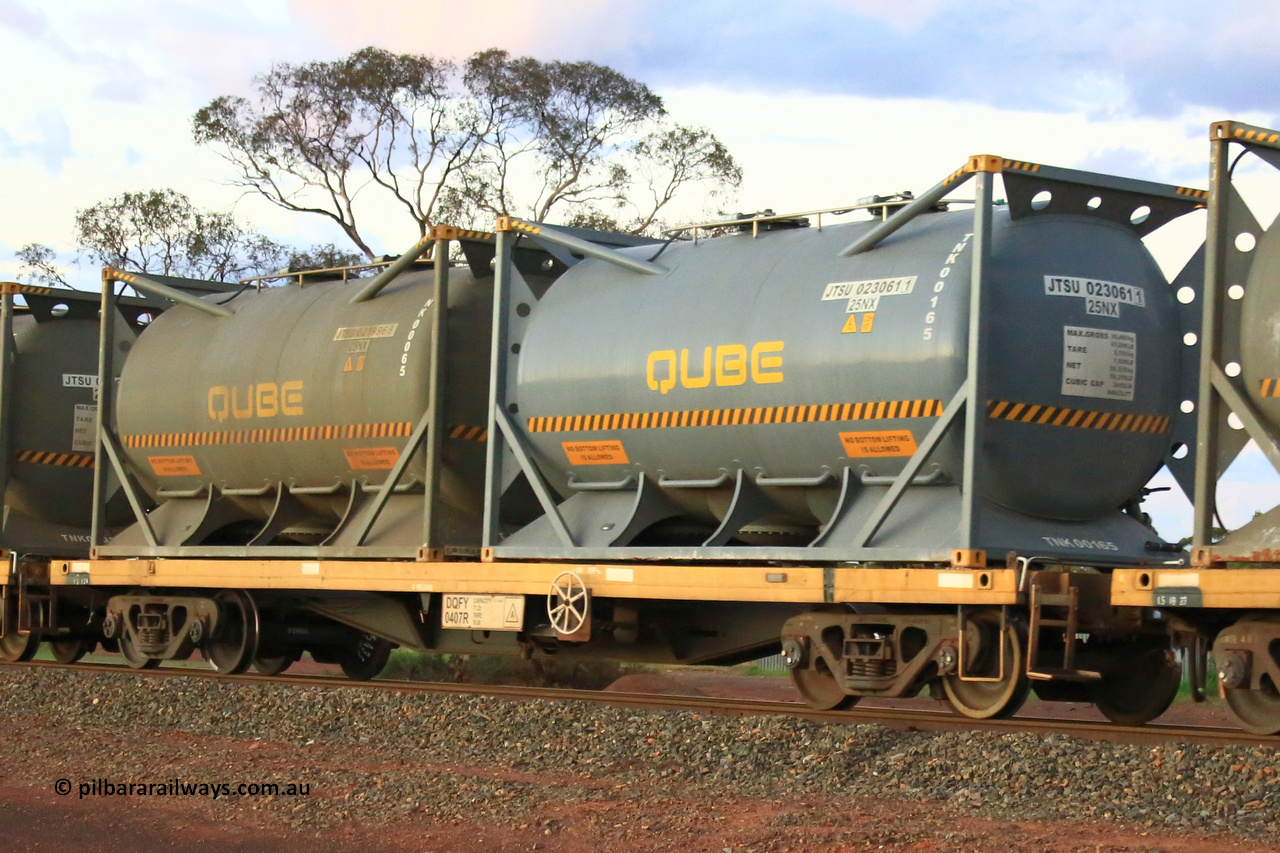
(467, 432)
(453, 232)
(1029, 413)
(14, 288)
(875, 410)
(267, 436)
(1271, 387)
(511, 223)
(1021, 166)
(1256, 135)
(53, 457)
(400, 429)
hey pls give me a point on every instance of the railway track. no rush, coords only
(892, 717)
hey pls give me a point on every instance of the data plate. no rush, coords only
(483, 612)
(1177, 596)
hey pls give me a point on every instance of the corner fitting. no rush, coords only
(512, 223)
(985, 163)
(965, 559)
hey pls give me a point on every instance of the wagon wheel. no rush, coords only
(1142, 687)
(819, 688)
(70, 651)
(1257, 711)
(568, 604)
(985, 700)
(274, 664)
(15, 647)
(131, 655)
(366, 658)
(236, 644)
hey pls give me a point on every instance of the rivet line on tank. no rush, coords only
(1029, 413)
(874, 410)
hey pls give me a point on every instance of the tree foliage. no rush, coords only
(40, 266)
(464, 143)
(161, 231)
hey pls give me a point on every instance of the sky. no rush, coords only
(821, 101)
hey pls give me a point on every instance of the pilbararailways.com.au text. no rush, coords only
(181, 788)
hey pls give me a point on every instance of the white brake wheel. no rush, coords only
(567, 603)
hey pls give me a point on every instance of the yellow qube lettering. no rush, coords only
(263, 400)
(731, 364)
(292, 393)
(726, 363)
(667, 382)
(236, 410)
(695, 381)
(219, 405)
(267, 400)
(766, 369)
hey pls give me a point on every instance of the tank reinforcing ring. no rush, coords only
(567, 603)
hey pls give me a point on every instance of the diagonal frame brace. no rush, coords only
(531, 472)
(1248, 415)
(393, 477)
(913, 466)
(108, 443)
(875, 236)
(547, 236)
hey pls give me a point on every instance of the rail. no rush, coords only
(888, 713)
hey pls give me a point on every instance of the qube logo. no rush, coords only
(263, 400)
(725, 365)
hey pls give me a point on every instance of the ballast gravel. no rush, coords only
(530, 749)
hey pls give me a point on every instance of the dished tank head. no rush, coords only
(779, 357)
(53, 418)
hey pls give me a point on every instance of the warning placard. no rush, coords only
(371, 458)
(483, 612)
(892, 442)
(1099, 363)
(595, 453)
(174, 466)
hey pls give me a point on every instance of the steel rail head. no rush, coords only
(141, 282)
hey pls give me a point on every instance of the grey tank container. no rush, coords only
(303, 392)
(589, 343)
